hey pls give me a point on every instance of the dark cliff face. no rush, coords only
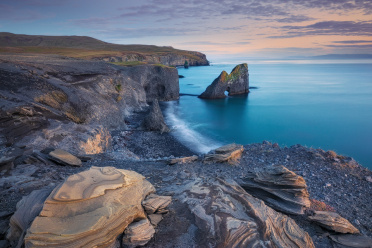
(159, 82)
(237, 82)
(42, 96)
(170, 59)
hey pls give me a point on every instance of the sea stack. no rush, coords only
(235, 83)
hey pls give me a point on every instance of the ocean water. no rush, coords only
(321, 105)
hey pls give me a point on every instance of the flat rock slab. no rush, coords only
(138, 233)
(351, 241)
(90, 209)
(228, 153)
(333, 221)
(183, 160)
(230, 217)
(156, 203)
(279, 187)
(65, 158)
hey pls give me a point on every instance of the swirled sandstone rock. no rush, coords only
(333, 221)
(231, 217)
(279, 187)
(235, 83)
(90, 209)
(228, 153)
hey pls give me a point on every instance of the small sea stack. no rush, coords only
(235, 83)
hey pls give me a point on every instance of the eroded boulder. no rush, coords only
(279, 187)
(235, 83)
(138, 233)
(231, 217)
(156, 203)
(27, 209)
(228, 153)
(333, 221)
(154, 121)
(90, 209)
(351, 241)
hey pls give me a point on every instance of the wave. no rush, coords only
(183, 132)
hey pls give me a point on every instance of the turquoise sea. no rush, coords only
(320, 104)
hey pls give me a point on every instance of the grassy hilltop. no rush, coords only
(85, 47)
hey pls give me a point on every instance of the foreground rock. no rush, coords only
(183, 160)
(235, 83)
(90, 209)
(333, 221)
(154, 121)
(65, 158)
(228, 153)
(27, 209)
(138, 233)
(279, 187)
(230, 217)
(351, 241)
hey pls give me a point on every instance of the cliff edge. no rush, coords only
(72, 104)
(92, 49)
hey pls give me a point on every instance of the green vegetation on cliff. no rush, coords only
(89, 48)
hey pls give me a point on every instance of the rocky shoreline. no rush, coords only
(334, 182)
(211, 205)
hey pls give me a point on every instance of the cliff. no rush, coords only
(237, 82)
(71, 103)
(92, 49)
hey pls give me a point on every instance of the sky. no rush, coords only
(240, 28)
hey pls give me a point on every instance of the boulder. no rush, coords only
(228, 153)
(65, 158)
(235, 83)
(27, 209)
(230, 217)
(351, 241)
(138, 233)
(183, 160)
(279, 187)
(155, 219)
(332, 221)
(156, 203)
(154, 121)
(90, 209)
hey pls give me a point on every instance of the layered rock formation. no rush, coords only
(230, 217)
(279, 187)
(228, 153)
(154, 121)
(333, 221)
(90, 209)
(54, 101)
(237, 82)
